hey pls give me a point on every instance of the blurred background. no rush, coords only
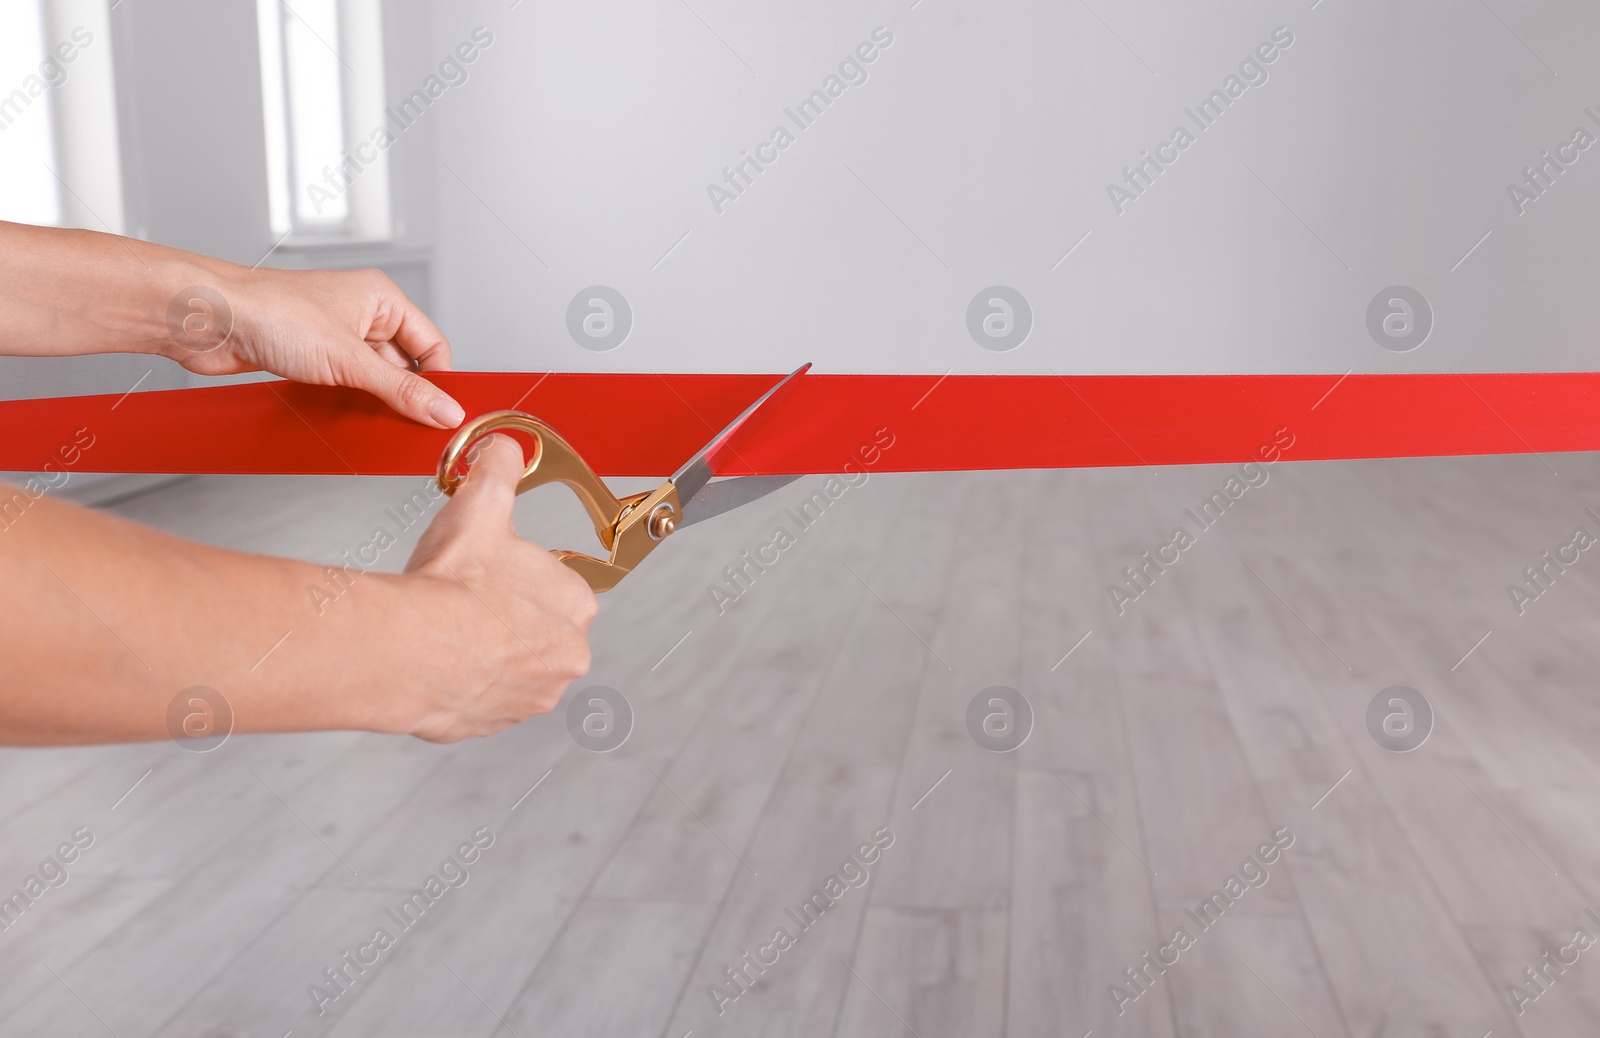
(922, 186)
(576, 146)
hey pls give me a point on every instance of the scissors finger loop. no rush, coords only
(467, 436)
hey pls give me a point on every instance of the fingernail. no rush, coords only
(446, 412)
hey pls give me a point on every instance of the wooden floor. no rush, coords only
(1229, 702)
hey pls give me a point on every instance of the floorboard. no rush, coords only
(784, 720)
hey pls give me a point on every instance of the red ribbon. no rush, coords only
(646, 425)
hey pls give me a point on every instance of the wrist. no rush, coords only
(412, 630)
(194, 306)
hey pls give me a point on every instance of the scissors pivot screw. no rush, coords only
(662, 522)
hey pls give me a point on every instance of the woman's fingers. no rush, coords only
(402, 389)
(397, 319)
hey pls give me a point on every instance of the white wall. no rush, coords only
(580, 147)
(1382, 145)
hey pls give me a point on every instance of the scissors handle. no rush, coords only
(629, 527)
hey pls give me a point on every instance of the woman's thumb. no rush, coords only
(491, 485)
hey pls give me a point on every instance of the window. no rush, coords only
(28, 193)
(59, 157)
(322, 92)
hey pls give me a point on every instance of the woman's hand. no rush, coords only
(326, 327)
(481, 631)
(517, 619)
(69, 293)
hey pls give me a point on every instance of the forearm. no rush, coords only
(110, 621)
(70, 292)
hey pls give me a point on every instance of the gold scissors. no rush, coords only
(630, 527)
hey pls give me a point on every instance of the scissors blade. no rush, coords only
(724, 495)
(698, 470)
